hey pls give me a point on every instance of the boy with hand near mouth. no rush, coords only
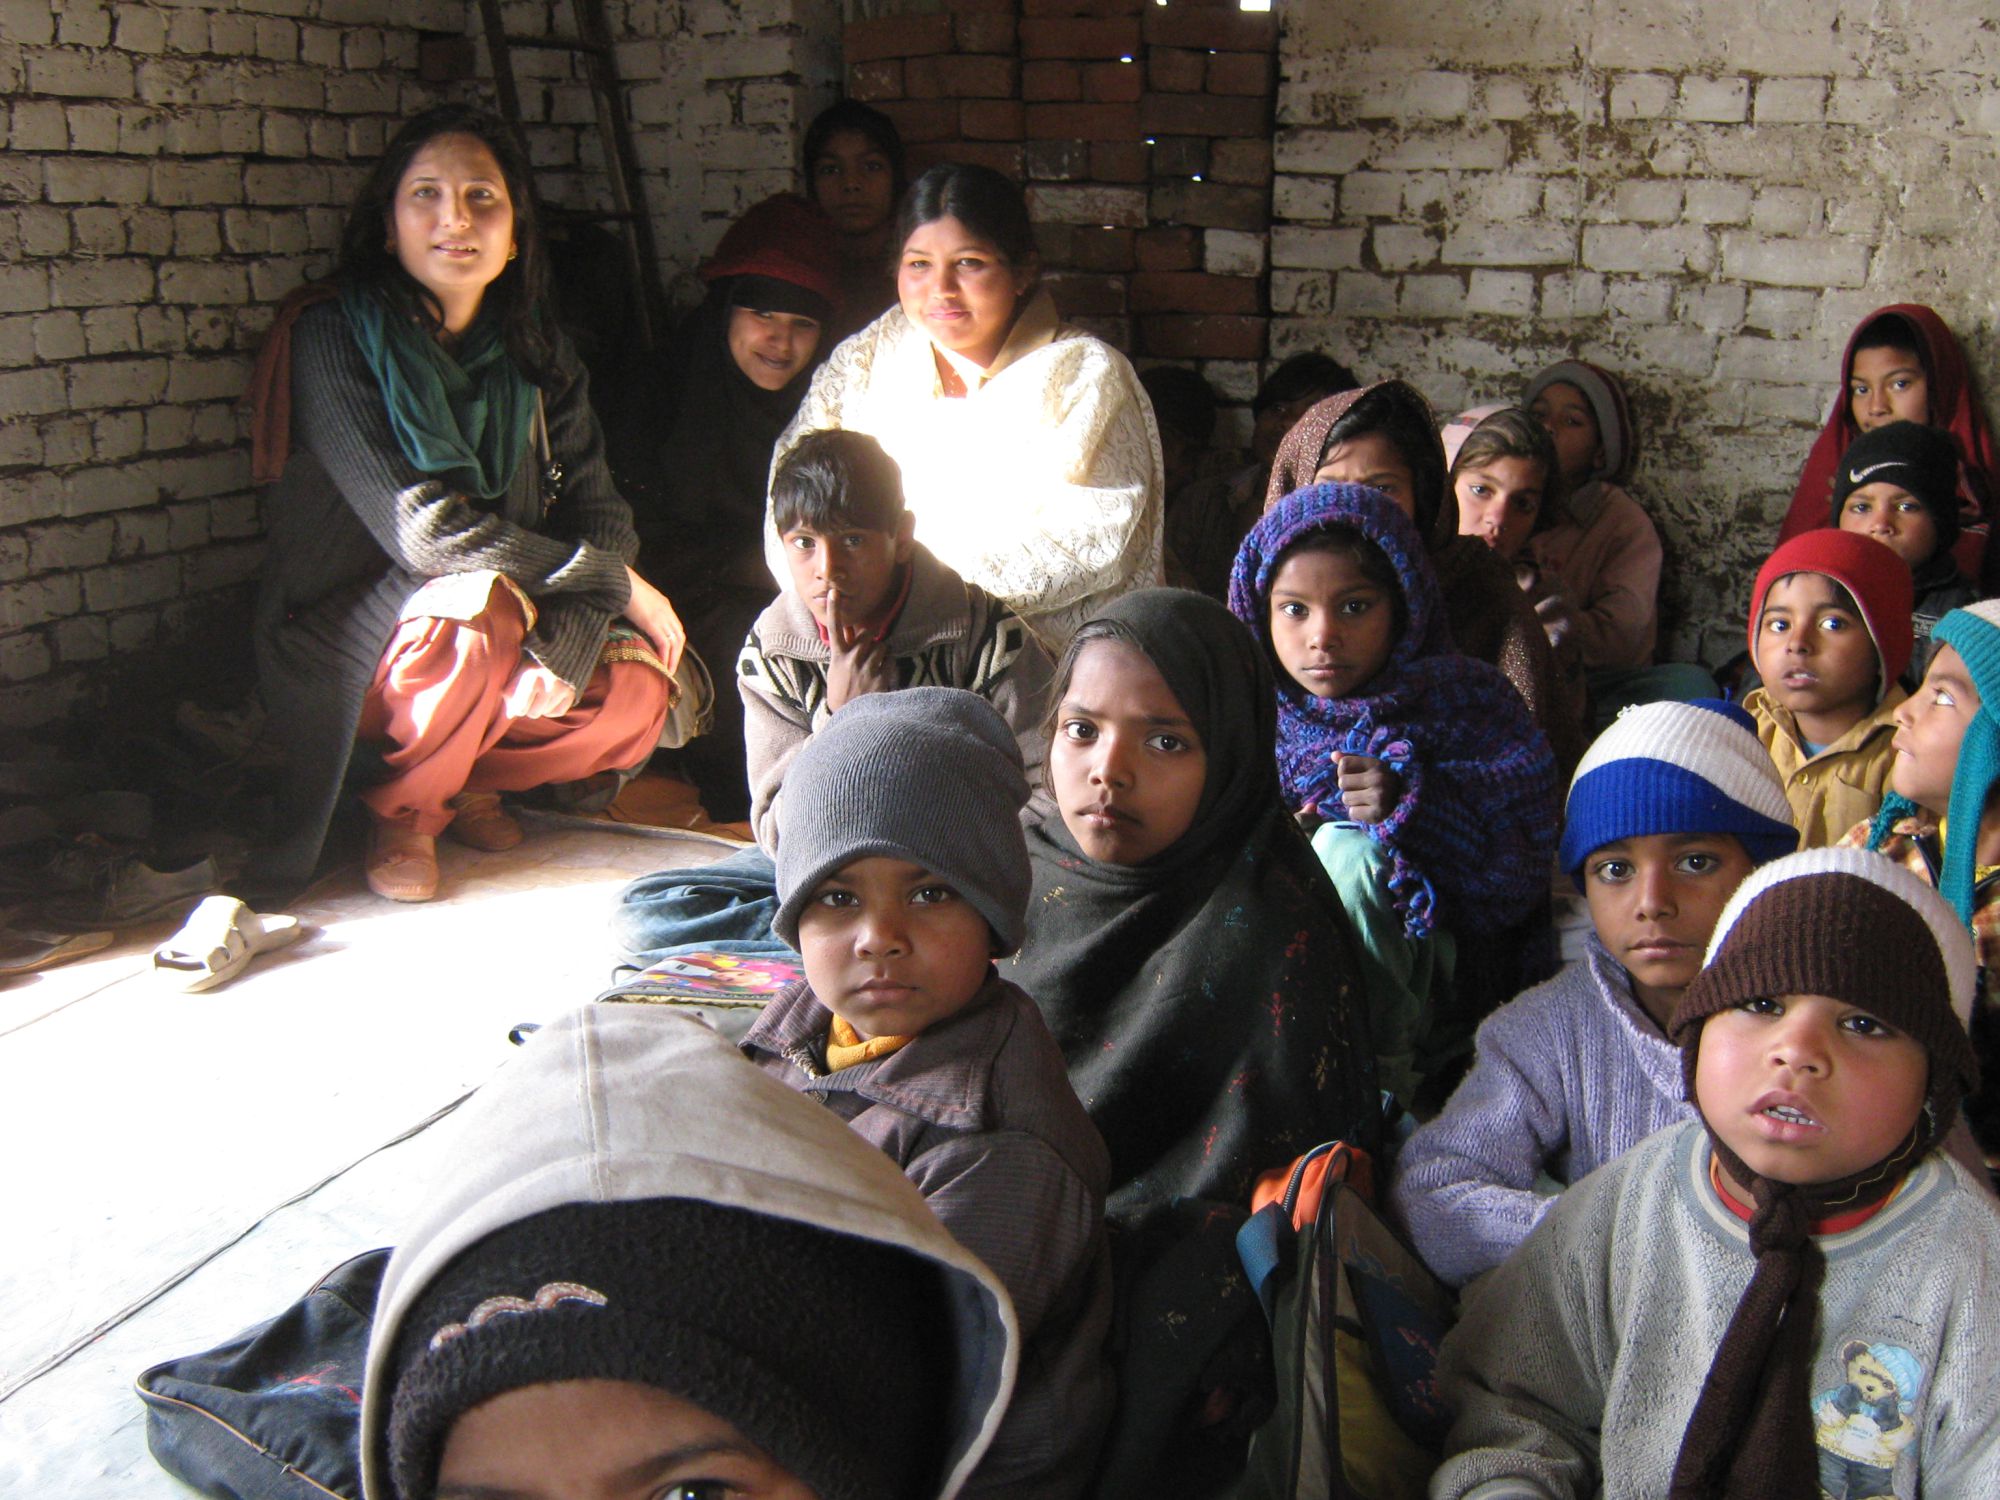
(1798, 1286)
(1669, 810)
(867, 609)
(902, 874)
(1830, 636)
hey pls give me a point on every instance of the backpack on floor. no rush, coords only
(275, 1413)
(1355, 1323)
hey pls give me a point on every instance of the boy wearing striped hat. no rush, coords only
(1794, 1295)
(1668, 811)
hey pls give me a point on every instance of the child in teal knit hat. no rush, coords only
(1941, 817)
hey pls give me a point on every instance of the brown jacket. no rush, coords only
(979, 1114)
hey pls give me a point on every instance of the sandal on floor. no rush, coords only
(217, 943)
(402, 863)
(479, 822)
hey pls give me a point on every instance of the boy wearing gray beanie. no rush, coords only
(902, 874)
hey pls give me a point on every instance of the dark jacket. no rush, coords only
(355, 529)
(979, 1114)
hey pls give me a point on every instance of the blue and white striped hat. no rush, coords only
(1677, 768)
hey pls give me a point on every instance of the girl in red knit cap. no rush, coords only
(1830, 636)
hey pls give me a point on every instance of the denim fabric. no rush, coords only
(725, 907)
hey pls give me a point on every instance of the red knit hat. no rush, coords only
(784, 238)
(1878, 579)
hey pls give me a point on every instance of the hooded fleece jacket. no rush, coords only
(616, 1103)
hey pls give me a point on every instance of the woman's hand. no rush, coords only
(859, 665)
(1368, 788)
(534, 692)
(648, 609)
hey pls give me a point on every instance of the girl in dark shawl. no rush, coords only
(1463, 838)
(1490, 618)
(1207, 999)
(1919, 375)
(739, 367)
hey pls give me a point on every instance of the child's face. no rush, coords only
(892, 949)
(1895, 518)
(1654, 900)
(1571, 421)
(1888, 385)
(1498, 502)
(603, 1440)
(1930, 729)
(1372, 459)
(854, 183)
(1815, 654)
(1331, 628)
(1126, 765)
(856, 563)
(771, 348)
(1805, 1088)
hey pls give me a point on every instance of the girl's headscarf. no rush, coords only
(1476, 823)
(1395, 408)
(1208, 1000)
(1954, 407)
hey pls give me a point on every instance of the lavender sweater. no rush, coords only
(1569, 1075)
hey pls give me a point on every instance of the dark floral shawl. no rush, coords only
(1208, 1001)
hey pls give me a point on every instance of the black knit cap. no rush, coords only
(826, 1351)
(1913, 457)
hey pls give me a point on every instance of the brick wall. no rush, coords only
(171, 170)
(1142, 132)
(1703, 196)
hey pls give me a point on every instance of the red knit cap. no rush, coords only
(1878, 579)
(785, 238)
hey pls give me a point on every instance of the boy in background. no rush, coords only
(1798, 1285)
(902, 875)
(1899, 485)
(867, 609)
(1830, 634)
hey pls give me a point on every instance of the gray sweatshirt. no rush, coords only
(1576, 1365)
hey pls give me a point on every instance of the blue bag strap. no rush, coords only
(1261, 1244)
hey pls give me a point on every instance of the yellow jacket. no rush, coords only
(1832, 791)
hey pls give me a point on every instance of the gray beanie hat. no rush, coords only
(927, 774)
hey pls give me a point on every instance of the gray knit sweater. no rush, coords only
(1576, 1365)
(1569, 1075)
(354, 530)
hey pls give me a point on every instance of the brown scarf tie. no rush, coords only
(1751, 1434)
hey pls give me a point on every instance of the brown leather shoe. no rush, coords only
(402, 863)
(481, 824)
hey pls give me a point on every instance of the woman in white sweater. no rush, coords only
(1029, 453)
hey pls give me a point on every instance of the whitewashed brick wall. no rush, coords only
(171, 170)
(1703, 196)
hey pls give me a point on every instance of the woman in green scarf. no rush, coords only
(448, 589)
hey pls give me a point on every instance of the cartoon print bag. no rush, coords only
(1355, 1324)
(276, 1411)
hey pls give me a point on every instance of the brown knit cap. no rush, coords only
(1857, 927)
